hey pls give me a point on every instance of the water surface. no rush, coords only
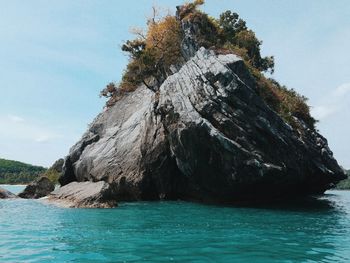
(13, 188)
(309, 231)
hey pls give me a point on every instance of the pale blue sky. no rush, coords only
(55, 57)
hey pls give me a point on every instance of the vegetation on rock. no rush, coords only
(156, 54)
(52, 175)
(345, 184)
(286, 102)
(152, 55)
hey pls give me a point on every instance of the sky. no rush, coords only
(55, 57)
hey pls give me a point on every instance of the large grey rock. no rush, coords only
(84, 195)
(39, 188)
(206, 135)
(4, 194)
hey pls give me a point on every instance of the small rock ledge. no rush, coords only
(4, 194)
(37, 189)
(83, 195)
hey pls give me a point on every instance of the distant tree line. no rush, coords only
(345, 184)
(14, 172)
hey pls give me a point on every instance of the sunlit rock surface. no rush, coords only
(206, 135)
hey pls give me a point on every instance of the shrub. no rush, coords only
(151, 57)
(52, 175)
(235, 33)
(163, 40)
(208, 30)
(231, 24)
(189, 8)
(153, 53)
(286, 102)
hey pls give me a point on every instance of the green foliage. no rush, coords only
(231, 25)
(153, 53)
(344, 184)
(247, 40)
(109, 90)
(229, 32)
(209, 33)
(53, 175)
(134, 47)
(190, 8)
(286, 102)
(235, 33)
(151, 57)
(13, 172)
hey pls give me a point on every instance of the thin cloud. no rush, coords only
(333, 102)
(15, 127)
(322, 112)
(342, 90)
(15, 118)
(43, 138)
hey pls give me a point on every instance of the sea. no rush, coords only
(308, 230)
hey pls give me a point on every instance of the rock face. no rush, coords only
(4, 194)
(206, 135)
(58, 165)
(84, 195)
(37, 189)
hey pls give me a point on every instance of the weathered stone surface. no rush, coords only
(58, 165)
(37, 189)
(84, 195)
(206, 135)
(4, 194)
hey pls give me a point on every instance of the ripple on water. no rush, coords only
(177, 231)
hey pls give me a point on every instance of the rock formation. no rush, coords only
(84, 195)
(205, 135)
(37, 189)
(4, 194)
(58, 165)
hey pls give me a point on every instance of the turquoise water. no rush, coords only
(16, 188)
(315, 231)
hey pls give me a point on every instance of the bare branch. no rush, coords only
(138, 32)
